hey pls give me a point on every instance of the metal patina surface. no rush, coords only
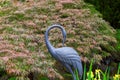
(66, 55)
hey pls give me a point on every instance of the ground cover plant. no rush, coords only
(99, 74)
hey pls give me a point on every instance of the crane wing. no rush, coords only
(67, 55)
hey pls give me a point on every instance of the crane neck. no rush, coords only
(48, 44)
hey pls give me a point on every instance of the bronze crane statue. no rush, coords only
(66, 55)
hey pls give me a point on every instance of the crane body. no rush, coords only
(66, 55)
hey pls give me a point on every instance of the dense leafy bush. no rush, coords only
(110, 10)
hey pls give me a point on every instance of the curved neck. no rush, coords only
(48, 44)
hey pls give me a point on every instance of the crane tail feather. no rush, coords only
(78, 66)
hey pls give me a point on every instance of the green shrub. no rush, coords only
(109, 9)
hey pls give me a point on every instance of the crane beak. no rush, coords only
(63, 45)
(64, 39)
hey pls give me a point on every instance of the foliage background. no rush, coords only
(23, 54)
(109, 9)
